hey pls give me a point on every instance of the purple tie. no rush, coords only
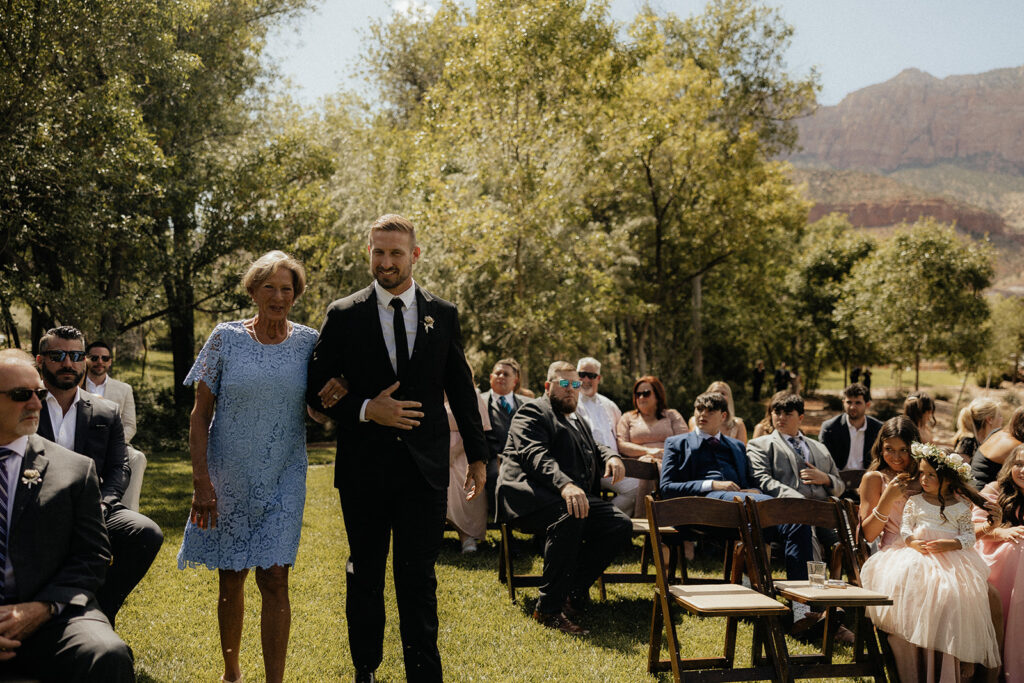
(5, 453)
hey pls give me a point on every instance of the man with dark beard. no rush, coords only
(550, 483)
(90, 425)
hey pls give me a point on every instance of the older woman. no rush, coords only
(641, 432)
(248, 446)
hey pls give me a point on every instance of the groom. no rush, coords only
(399, 349)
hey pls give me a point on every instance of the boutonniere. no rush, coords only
(428, 323)
(31, 477)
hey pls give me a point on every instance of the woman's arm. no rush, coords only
(877, 501)
(204, 499)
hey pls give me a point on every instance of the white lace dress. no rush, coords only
(257, 449)
(940, 600)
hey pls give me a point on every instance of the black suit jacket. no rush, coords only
(541, 457)
(58, 545)
(351, 344)
(500, 422)
(99, 434)
(835, 434)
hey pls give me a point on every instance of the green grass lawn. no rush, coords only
(170, 619)
(882, 376)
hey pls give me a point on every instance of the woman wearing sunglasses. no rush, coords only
(642, 431)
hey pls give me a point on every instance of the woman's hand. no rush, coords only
(204, 505)
(1013, 534)
(893, 491)
(333, 391)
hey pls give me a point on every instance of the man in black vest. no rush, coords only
(550, 483)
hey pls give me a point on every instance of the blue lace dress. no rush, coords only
(257, 449)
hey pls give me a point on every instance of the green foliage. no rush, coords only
(919, 295)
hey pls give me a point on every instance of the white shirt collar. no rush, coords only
(18, 446)
(94, 388)
(51, 400)
(704, 435)
(856, 429)
(510, 397)
(384, 297)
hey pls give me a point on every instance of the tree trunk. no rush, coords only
(917, 372)
(959, 397)
(698, 338)
(181, 321)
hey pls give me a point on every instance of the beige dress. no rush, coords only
(470, 517)
(633, 428)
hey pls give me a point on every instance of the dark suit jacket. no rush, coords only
(500, 422)
(58, 544)
(541, 458)
(681, 477)
(351, 344)
(835, 434)
(99, 434)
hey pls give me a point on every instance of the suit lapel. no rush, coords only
(34, 460)
(82, 420)
(787, 448)
(45, 429)
(424, 310)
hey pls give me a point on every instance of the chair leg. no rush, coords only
(600, 588)
(730, 641)
(645, 557)
(778, 652)
(510, 575)
(654, 647)
(727, 563)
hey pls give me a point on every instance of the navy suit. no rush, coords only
(690, 461)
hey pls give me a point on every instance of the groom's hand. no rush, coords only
(386, 411)
(476, 479)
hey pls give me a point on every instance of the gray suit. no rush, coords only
(59, 553)
(776, 468)
(121, 393)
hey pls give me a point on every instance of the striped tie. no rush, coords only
(4, 454)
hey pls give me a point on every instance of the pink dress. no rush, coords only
(470, 517)
(1006, 560)
(634, 428)
(940, 600)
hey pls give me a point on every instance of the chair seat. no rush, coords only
(851, 596)
(642, 526)
(725, 598)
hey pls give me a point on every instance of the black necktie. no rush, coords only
(4, 454)
(401, 342)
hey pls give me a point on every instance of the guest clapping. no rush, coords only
(247, 438)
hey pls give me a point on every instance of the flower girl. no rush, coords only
(938, 583)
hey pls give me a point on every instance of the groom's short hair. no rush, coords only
(392, 222)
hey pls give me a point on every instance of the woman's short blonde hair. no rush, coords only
(265, 266)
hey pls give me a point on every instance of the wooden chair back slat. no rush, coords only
(638, 469)
(777, 511)
(698, 511)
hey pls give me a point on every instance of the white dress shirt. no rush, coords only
(855, 461)
(13, 466)
(98, 389)
(387, 325)
(600, 412)
(64, 424)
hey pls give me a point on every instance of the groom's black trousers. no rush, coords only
(385, 496)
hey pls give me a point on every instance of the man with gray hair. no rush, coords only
(53, 548)
(549, 483)
(602, 415)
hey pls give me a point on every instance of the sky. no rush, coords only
(853, 43)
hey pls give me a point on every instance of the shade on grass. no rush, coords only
(170, 619)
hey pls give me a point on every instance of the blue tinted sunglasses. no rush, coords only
(565, 382)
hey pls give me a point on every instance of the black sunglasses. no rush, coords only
(644, 394)
(59, 356)
(22, 394)
(96, 357)
(587, 375)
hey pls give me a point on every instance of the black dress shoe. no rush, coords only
(366, 677)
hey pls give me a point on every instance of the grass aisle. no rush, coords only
(170, 619)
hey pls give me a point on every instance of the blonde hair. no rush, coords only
(267, 265)
(973, 416)
(720, 387)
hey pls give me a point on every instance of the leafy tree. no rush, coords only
(920, 295)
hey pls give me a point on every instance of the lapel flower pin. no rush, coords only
(428, 323)
(30, 478)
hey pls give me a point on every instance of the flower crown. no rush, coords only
(941, 460)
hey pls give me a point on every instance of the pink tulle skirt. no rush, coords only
(940, 600)
(1006, 560)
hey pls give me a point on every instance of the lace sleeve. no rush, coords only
(909, 520)
(207, 367)
(965, 528)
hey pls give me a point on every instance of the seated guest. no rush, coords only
(707, 463)
(850, 435)
(603, 416)
(54, 550)
(549, 484)
(502, 404)
(920, 408)
(765, 426)
(98, 362)
(641, 432)
(991, 455)
(91, 426)
(976, 422)
(466, 512)
(733, 427)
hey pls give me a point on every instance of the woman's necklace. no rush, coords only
(250, 325)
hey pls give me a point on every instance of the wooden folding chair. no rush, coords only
(851, 480)
(729, 600)
(828, 514)
(506, 568)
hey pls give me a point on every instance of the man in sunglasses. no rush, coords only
(550, 483)
(90, 425)
(53, 550)
(98, 361)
